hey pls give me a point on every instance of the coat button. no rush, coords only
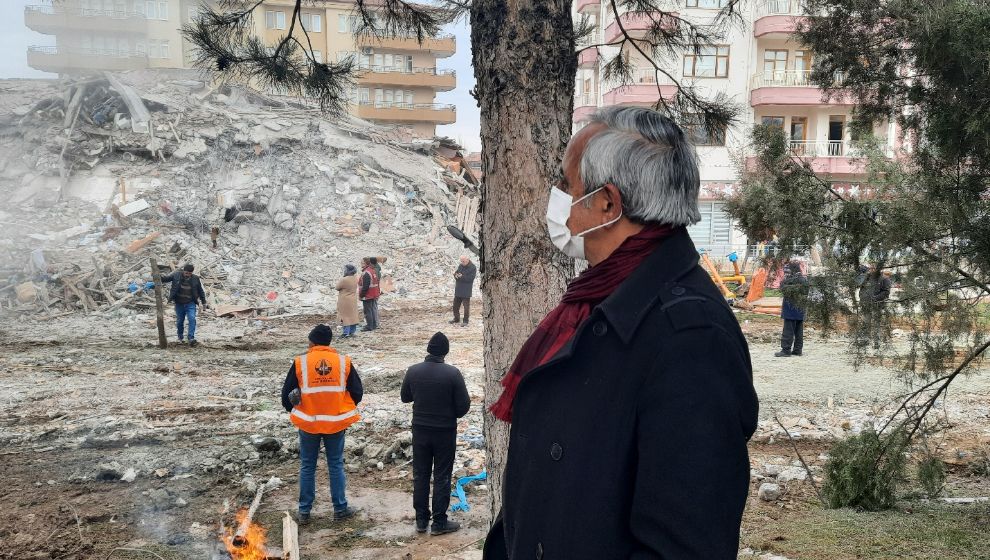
(556, 451)
(539, 551)
(599, 329)
(677, 291)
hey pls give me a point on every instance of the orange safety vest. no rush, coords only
(325, 406)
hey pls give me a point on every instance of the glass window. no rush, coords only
(154, 49)
(389, 97)
(312, 23)
(773, 121)
(707, 62)
(342, 23)
(156, 9)
(165, 48)
(774, 63)
(280, 20)
(365, 95)
(699, 136)
(274, 20)
(707, 4)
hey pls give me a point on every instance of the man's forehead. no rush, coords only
(576, 146)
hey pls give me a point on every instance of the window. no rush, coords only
(347, 24)
(156, 9)
(154, 49)
(165, 49)
(707, 4)
(799, 134)
(713, 233)
(318, 56)
(312, 23)
(365, 95)
(274, 20)
(699, 136)
(774, 64)
(802, 64)
(773, 121)
(708, 62)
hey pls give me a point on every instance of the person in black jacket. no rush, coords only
(632, 403)
(439, 398)
(186, 291)
(463, 287)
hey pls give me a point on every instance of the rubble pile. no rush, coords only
(267, 197)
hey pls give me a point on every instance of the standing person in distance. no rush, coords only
(439, 398)
(463, 288)
(186, 291)
(795, 290)
(347, 310)
(369, 292)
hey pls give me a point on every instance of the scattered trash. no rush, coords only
(462, 504)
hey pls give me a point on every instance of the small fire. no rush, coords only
(248, 546)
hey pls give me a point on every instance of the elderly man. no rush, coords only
(463, 288)
(632, 403)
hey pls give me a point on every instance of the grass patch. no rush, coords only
(919, 530)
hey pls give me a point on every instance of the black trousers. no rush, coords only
(433, 451)
(457, 308)
(792, 339)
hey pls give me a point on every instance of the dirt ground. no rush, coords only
(85, 397)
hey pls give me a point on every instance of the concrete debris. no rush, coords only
(159, 166)
(791, 474)
(769, 492)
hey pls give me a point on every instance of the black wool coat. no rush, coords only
(631, 441)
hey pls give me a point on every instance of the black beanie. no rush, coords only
(439, 346)
(321, 335)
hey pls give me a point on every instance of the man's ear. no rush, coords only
(613, 200)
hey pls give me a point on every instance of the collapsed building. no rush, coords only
(267, 196)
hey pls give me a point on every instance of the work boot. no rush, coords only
(453, 321)
(421, 525)
(302, 518)
(345, 514)
(796, 353)
(782, 354)
(444, 527)
(193, 343)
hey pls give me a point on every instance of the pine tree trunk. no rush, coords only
(524, 65)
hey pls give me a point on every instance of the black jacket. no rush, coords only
(176, 278)
(464, 285)
(631, 441)
(354, 386)
(437, 392)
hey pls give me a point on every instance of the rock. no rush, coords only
(769, 492)
(179, 502)
(129, 475)
(266, 444)
(772, 470)
(792, 473)
(374, 451)
(249, 485)
(404, 438)
(109, 472)
(380, 466)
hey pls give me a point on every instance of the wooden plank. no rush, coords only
(290, 538)
(159, 307)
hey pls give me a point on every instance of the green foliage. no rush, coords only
(931, 474)
(863, 471)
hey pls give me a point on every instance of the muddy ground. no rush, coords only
(87, 397)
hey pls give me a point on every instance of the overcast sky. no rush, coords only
(15, 38)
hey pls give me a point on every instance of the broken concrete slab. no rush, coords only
(140, 117)
(131, 208)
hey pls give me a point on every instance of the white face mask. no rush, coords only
(558, 212)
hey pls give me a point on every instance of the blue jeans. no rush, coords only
(349, 330)
(309, 451)
(182, 312)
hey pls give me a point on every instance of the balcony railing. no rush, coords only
(381, 69)
(781, 8)
(788, 78)
(111, 53)
(586, 100)
(829, 148)
(408, 106)
(84, 12)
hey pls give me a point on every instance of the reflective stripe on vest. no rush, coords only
(339, 388)
(323, 417)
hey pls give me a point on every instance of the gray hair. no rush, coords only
(649, 159)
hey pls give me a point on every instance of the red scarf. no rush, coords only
(583, 294)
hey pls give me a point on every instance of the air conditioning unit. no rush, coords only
(367, 50)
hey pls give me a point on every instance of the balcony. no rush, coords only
(439, 80)
(637, 24)
(588, 6)
(407, 112)
(588, 58)
(778, 17)
(585, 105)
(441, 45)
(50, 20)
(62, 60)
(790, 87)
(828, 157)
(645, 90)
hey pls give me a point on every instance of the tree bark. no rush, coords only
(524, 66)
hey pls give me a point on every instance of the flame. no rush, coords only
(251, 546)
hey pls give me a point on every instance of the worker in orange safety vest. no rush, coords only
(321, 394)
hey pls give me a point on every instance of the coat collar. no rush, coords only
(633, 300)
(433, 359)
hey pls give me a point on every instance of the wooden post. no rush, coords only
(159, 307)
(290, 538)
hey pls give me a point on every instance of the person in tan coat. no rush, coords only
(347, 301)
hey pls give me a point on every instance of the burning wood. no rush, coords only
(249, 541)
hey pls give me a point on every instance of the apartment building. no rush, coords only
(398, 79)
(761, 66)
